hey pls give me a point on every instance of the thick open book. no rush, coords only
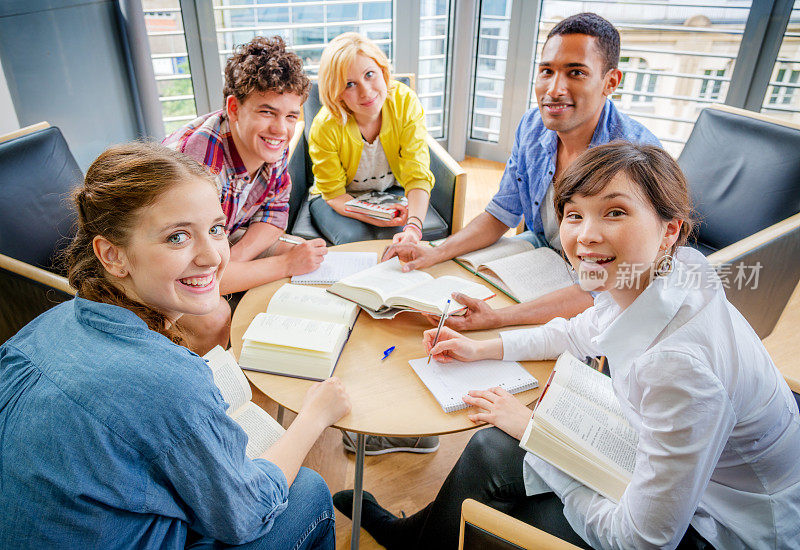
(301, 334)
(386, 286)
(449, 382)
(517, 268)
(377, 204)
(262, 430)
(578, 427)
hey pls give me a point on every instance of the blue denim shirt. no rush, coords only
(111, 436)
(530, 168)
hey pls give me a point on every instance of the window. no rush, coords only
(783, 97)
(710, 87)
(432, 72)
(305, 25)
(170, 62)
(636, 78)
(490, 69)
(782, 94)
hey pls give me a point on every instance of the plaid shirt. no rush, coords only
(265, 198)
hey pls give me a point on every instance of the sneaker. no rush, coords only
(378, 444)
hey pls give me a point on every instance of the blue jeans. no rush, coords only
(308, 521)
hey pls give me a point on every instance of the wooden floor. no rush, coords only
(407, 482)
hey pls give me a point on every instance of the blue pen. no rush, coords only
(387, 352)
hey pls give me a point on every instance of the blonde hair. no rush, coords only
(335, 63)
(119, 183)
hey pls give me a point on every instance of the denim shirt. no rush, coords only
(530, 168)
(111, 436)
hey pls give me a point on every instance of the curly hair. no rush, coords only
(264, 65)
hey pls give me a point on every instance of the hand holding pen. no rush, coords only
(439, 329)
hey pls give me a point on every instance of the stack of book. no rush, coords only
(301, 334)
(377, 204)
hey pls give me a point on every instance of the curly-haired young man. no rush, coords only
(245, 145)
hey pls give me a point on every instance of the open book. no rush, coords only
(578, 427)
(301, 334)
(517, 268)
(386, 286)
(449, 382)
(262, 430)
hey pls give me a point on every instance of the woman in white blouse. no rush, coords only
(717, 461)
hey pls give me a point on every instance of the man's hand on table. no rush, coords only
(479, 315)
(413, 256)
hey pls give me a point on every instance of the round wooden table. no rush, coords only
(387, 396)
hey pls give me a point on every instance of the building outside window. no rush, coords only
(490, 69)
(170, 62)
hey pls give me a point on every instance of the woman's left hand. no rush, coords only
(501, 409)
(409, 236)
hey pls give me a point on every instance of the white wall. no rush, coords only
(8, 116)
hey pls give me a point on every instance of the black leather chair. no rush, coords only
(484, 528)
(37, 174)
(445, 212)
(743, 170)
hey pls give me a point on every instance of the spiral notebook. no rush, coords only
(448, 382)
(337, 265)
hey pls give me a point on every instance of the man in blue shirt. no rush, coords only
(576, 74)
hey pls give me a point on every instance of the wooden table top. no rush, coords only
(387, 396)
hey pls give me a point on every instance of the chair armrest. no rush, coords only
(507, 528)
(25, 131)
(36, 274)
(450, 191)
(740, 248)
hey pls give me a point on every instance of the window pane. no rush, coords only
(164, 26)
(782, 99)
(676, 58)
(490, 69)
(433, 67)
(305, 28)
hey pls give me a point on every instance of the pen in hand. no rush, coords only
(439, 328)
(288, 241)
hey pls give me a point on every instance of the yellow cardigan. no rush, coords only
(335, 149)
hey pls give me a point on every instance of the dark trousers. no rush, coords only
(490, 471)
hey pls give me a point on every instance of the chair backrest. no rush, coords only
(484, 528)
(299, 171)
(743, 170)
(37, 174)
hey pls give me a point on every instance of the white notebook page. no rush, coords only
(337, 265)
(449, 382)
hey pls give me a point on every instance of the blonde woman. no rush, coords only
(369, 135)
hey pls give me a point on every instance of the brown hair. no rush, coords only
(264, 65)
(120, 182)
(658, 176)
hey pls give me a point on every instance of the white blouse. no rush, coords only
(373, 172)
(719, 430)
